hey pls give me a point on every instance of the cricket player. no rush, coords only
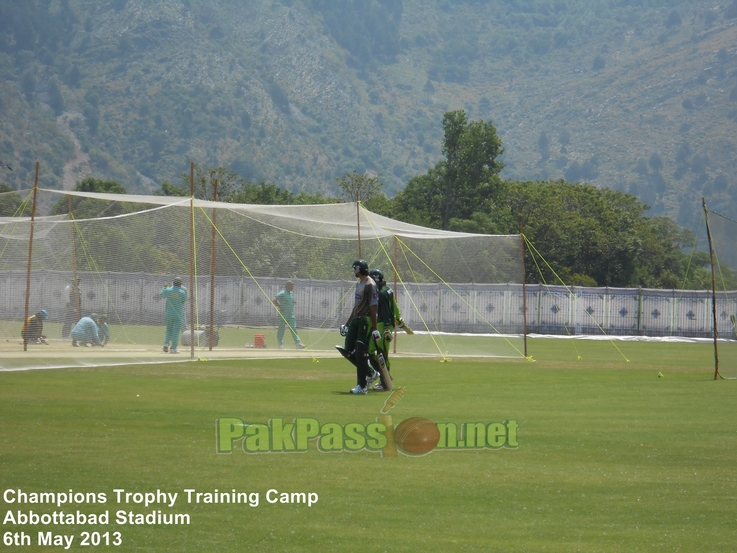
(175, 296)
(86, 333)
(33, 328)
(284, 302)
(104, 329)
(73, 309)
(387, 318)
(360, 329)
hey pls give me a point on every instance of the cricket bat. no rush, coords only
(404, 327)
(382, 367)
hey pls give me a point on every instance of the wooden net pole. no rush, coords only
(212, 264)
(358, 224)
(30, 256)
(524, 285)
(191, 260)
(75, 289)
(713, 291)
(395, 288)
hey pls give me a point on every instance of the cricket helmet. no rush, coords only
(43, 314)
(363, 267)
(177, 281)
(377, 275)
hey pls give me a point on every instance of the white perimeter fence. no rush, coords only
(469, 308)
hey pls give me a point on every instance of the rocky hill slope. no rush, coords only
(631, 94)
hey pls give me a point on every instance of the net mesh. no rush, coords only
(461, 293)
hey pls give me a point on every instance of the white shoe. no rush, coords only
(371, 379)
(359, 390)
(166, 349)
(300, 345)
(281, 346)
(174, 351)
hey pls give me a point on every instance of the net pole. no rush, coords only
(191, 259)
(358, 224)
(78, 294)
(524, 285)
(395, 288)
(30, 256)
(713, 290)
(212, 264)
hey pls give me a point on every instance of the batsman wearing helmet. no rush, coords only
(360, 329)
(33, 328)
(387, 318)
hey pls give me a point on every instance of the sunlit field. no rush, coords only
(623, 446)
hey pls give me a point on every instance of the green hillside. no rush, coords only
(636, 95)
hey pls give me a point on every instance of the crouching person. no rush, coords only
(33, 328)
(86, 333)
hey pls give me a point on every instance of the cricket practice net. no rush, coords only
(459, 292)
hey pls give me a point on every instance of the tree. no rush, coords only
(655, 163)
(674, 20)
(573, 172)
(467, 180)
(10, 202)
(169, 189)
(359, 187)
(56, 100)
(731, 11)
(92, 117)
(28, 85)
(74, 76)
(543, 146)
(262, 193)
(583, 231)
(89, 208)
(204, 180)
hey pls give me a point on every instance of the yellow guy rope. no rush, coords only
(405, 247)
(532, 248)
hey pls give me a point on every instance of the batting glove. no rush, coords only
(343, 330)
(400, 323)
(388, 335)
(376, 335)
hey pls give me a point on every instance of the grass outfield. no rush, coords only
(610, 457)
